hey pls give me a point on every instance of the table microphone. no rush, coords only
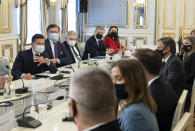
(30, 122)
(58, 77)
(19, 90)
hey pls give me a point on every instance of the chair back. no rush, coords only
(192, 106)
(184, 123)
(179, 109)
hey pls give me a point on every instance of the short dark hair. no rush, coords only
(193, 31)
(168, 41)
(151, 60)
(37, 36)
(52, 26)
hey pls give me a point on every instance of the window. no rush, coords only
(33, 19)
(72, 15)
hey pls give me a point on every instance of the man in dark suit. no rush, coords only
(56, 51)
(71, 46)
(172, 69)
(94, 45)
(92, 103)
(32, 61)
(163, 94)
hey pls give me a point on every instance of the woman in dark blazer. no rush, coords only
(139, 107)
(189, 60)
(188, 51)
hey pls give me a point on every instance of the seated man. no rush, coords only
(94, 45)
(172, 70)
(56, 51)
(163, 94)
(92, 103)
(32, 61)
(71, 46)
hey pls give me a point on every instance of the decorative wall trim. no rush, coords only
(169, 27)
(188, 27)
(136, 38)
(7, 51)
(169, 35)
(5, 16)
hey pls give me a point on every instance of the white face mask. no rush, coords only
(71, 43)
(39, 49)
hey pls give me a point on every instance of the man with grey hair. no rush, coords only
(71, 46)
(94, 45)
(92, 100)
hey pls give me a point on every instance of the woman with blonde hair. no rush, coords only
(139, 108)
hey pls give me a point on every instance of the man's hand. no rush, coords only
(27, 76)
(41, 60)
(54, 61)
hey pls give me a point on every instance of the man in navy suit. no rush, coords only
(172, 69)
(94, 45)
(71, 46)
(163, 94)
(32, 61)
(56, 51)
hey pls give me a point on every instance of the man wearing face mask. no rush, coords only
(56, 51)
(94, 45)
(71, 46)
(32, 61)
(172, 70)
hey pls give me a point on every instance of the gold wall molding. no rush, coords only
(188, 27)
(7, 51)
(140, 38)
(169, 27)
(5, 16)
(186, 34)
(169, 35)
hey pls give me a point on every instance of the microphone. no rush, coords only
(30, 122)
(58, 77)
(72, 68)
(19, 90)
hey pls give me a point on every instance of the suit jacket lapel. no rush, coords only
(167, 64)
(48, 47)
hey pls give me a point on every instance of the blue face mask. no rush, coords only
(39, 49)
(120, 91)
(54, 36)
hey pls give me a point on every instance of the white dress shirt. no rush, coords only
(76, 59)
(150, 82)
(53, 51)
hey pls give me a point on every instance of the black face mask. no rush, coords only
(161, 52)
(186, 48)
(114, 34)
(99, 36)
(120, 91)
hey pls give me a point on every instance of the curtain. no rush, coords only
(45, 13)
(22, 4)
(64, 10)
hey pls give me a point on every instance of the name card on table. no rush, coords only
(37, 85)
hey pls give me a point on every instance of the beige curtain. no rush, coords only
(64, 9)
(22, 4)
(45, 17)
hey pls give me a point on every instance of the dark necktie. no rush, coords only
(163, 65)
(55, 50)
